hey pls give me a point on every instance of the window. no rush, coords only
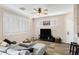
(13, 24)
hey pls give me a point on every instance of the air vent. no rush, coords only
(22, 8)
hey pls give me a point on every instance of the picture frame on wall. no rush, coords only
(46, 23)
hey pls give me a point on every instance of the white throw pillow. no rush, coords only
(4, 44)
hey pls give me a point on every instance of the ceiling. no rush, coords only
(53, 9)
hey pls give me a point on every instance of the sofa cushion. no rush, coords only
(17, 52)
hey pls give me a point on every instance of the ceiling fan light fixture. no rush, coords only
(41, 11)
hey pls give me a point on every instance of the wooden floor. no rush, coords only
(55, 48)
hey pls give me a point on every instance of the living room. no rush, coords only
(18, 22)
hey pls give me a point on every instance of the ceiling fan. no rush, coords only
(40, 11)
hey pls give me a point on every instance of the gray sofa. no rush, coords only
(39, 49)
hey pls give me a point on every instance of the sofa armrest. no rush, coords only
(39, 49)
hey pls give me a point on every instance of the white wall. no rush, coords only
(16, 31)
(72, 24)
(1, 26)
(64, 27)
(69, 28)
(57, 26)
(76, 12)
(14, 26)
